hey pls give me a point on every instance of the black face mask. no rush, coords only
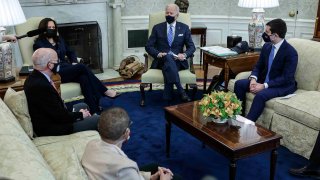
(266, 37)
(56, 68)
(51, 33)
(169, 19)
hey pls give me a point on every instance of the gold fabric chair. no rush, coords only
(68, 90)
(150, 76)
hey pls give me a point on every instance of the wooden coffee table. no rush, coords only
(234, 142)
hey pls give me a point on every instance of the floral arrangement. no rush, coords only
(220, 105)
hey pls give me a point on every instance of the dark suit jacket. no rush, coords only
(158, 42)
(282, 69)
(48, 114)
(61, 48)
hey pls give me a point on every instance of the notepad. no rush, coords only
(219, 51)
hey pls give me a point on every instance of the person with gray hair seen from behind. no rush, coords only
(104, 159)
(49, 115)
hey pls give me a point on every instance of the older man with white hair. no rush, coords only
(48, 112)
(166, 45)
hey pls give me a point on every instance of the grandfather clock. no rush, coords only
(316, 36)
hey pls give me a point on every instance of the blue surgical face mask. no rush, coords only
(266, 37)
(169, 19)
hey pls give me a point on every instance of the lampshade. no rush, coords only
(11, 13)
(258, 3)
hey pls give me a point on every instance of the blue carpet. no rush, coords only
(188, 157)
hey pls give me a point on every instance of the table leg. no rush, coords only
(205, 66)
(168, 135)
(226, 77)
(273, 162)
(232, 170)
(201, 44)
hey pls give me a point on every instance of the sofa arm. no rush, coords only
(242, 75)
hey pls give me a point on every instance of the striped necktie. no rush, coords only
(170, 35)
(270, 61)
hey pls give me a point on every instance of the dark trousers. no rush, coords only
(170, 70)
(315, 155)
(91, 87)
(260, 99)
(88, 123)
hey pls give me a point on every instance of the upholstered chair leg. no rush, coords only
(143, 95)
(194, 88)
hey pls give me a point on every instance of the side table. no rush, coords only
(200, 29)
(236, 64)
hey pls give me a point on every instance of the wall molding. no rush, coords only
(27, 3)
(218, 28)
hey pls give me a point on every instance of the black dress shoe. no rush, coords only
(114, 97)
(185, 97)
(306, 172)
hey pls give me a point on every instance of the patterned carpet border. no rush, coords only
(134, 85)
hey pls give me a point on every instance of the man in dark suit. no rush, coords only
(313, 168)
(165, 45)
(48, 113)
(273, 75)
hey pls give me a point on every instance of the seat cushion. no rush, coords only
(302, 108)
(17, 103)
(156, 76)
(64, 153)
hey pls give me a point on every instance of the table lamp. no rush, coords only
(256, 25)
(10, 14)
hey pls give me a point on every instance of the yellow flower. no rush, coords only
(220, 105)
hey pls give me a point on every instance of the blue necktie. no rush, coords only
(170, 35)
(271, 56)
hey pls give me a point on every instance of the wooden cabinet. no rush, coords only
(316, 35)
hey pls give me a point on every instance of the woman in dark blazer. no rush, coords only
(70, 70)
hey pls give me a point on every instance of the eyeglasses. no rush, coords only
(129, 125)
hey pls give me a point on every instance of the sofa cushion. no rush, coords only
(302, 108)
(307, 74)
(17, 102)
(20, 159)
(64, 153)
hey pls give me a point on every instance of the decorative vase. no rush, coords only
(217, 120)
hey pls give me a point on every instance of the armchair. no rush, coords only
(68, 90)
(151, 76)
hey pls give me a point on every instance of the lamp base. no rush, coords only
(256, 28)
(8, 79)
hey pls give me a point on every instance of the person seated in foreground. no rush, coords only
(273, 75)
(165, 45)
(70, 70)
(104, 159)
(49, 115)
(313, 168)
